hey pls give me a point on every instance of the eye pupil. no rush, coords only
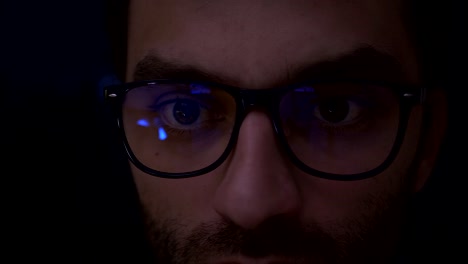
(334, 110)
(186, 112)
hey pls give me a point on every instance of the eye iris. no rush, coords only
(186, 112)
(335, 110)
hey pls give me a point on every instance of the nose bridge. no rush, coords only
(259, 105)
(257, 141)
(258, 183)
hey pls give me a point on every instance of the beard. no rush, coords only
(370, 237)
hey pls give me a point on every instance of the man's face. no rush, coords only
(257, 207)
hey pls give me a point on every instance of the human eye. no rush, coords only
(333, 108)
(342, 114)
(181, 113)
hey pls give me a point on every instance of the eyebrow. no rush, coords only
(365, 62)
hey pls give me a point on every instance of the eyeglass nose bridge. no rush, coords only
(263, 99)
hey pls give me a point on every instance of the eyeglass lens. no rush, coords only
(339, 128)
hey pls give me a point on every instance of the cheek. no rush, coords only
(180, 199)
(333, 202)
(329, 201)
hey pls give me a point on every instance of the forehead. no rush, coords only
(254, 43)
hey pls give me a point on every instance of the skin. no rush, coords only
(257, 192)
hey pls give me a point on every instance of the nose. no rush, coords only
(258, 183)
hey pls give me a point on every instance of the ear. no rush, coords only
(433, 133)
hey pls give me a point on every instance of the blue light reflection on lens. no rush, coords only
(143, 123)
(199, 89)
(162, 134)
(305, 89)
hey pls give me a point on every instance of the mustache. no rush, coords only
(276, 237)
(357, 240)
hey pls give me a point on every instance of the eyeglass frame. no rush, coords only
(269, 100)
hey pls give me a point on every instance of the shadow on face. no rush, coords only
(257, 192)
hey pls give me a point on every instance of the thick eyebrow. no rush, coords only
(153, 67)
(365, 62)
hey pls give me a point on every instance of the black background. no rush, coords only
(67, 195)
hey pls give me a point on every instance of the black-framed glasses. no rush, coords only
(333, 129)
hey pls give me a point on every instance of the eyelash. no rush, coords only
(187, 131)
(357, 125)
(362, 120)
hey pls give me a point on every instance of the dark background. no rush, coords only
(67, 194)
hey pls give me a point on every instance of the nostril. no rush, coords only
(248, 198)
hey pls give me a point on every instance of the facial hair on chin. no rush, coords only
(349, 241)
